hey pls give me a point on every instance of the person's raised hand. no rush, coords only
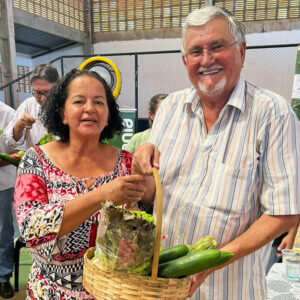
(26, 121)
(124, 189)
(146, 156)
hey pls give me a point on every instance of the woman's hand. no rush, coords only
(123, 189)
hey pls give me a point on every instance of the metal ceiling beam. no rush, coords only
(53, 49)
(32, 45)
(27, 19)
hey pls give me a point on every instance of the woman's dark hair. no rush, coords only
(52, 107)
(153, 104)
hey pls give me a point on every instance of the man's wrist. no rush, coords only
(18, 131)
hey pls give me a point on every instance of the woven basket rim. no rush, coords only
(114, 285)
(90, 254)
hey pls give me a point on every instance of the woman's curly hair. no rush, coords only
(55, 102)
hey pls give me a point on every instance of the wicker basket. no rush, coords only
(111, 285)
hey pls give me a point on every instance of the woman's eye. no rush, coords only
(78, 102)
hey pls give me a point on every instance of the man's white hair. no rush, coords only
(201, 16)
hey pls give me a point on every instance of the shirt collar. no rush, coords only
(192, 99)
(236, 99)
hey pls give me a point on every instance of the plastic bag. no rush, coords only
(125, 240)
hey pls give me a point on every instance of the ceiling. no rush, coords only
(34, 42)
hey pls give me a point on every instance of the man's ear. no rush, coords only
(150, 115)
(183, 59)
(243, 52)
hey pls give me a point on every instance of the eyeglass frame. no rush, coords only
(211, 50)
(40, 94)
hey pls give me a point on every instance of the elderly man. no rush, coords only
(43, 77)
(229, 159)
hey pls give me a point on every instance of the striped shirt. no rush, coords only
(218, 183)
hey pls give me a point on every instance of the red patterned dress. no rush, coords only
(41, 192)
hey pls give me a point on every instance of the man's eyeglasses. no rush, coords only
(39, 94)
(195, 55)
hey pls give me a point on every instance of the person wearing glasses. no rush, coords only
(43, 77)
(228, 156)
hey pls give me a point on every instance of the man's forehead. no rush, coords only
(213, 30)
(41, 84)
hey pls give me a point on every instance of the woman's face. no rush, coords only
(86, 111)
(152, 115)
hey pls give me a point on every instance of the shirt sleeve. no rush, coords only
(280, 148)
(132, 144)
(127, 159)
(7, 115)
(38, 219)
(9, 130)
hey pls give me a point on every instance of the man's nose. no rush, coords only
(207, 57)
(43, 97)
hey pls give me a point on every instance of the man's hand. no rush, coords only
(145, 157)
(197, 280)
(3, 163)
(25, 121)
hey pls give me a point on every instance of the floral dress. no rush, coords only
(41, 192)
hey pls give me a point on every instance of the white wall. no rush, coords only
(68, 64)
(170, 75)
(253, 39)
(269, 68)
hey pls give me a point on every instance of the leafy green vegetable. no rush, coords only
(46, 139)
(125, 240)
(143, 215)
(1, 131)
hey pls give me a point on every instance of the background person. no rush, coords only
(142, 137)
(61, 185)
(284, 241)
(229, 159)
(43, 77)
(7, 182)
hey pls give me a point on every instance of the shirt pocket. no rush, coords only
(233, 190)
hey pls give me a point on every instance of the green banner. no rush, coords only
(296, 87)
(120, 141)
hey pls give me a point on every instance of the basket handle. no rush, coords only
(27, 138)
(158, 223)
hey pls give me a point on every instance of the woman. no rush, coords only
(61, 185)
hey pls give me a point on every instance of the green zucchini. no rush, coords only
(189, 264)
(173, 253)
(224, 257)
(9, 159)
